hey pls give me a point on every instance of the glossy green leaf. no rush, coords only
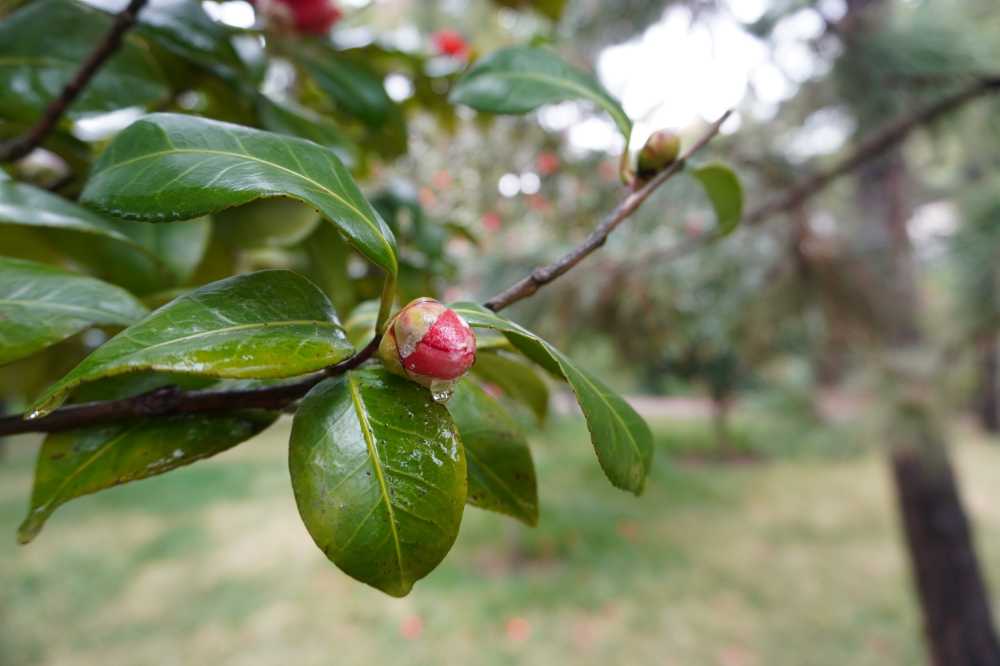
(725, 192)
(35, 66)
(140, 257)
(520, 79)
(621, 438)
(501, 472)
(79, 462)
(379, 477)
(41, 305)
(171, 167)
(262, 325)
(516, 379)
(293, 120)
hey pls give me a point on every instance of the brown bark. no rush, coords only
(988, 394)
(958, 622)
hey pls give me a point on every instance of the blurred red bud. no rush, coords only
(450, 43)
(547, 163)
(492, 221)
(313, 17)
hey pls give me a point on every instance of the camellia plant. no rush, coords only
(225, 267)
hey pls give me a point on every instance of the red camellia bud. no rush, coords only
(314, 17)
(661, 150)
(430, 344)
(450, 43)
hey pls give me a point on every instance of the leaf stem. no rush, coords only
(388, 300)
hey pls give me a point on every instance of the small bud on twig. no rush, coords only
(661, 150)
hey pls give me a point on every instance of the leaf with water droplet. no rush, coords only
(389, 510)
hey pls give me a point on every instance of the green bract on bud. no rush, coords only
(430, 344)
(661, 150)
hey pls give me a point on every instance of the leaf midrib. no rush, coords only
(246, 156)
(366, 431)
(230, 329)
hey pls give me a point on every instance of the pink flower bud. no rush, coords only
(428, 343)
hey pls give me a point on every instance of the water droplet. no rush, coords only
(441, 391)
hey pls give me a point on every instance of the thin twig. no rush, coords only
(867, 149)
(170, 401)
(19, 147)
(542, 275)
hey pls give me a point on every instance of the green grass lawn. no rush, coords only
(783, 562)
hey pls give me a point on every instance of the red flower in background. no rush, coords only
(450, 43)
(547, 163)
(314, 17)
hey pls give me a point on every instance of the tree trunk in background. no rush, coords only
(957, 619)
(988, 393)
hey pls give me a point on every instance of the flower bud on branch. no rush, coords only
(661, 150)
(429, 344)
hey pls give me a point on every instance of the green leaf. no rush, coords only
(352, 88)
(276, 222)
(140, 257)
(35, 67)
(501, 473)
(552, 9)
(79, 462)
(379, 477)
(41, 305)
(621, 438)
(516, 379)
(357, 91)
(293, 120)
(725, 192)
(171, 167)
(263, 325)
(184, 28)
(520, 79)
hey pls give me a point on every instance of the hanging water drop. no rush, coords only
(441, 391)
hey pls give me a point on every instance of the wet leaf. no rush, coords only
(268, 324)
(379, 477)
